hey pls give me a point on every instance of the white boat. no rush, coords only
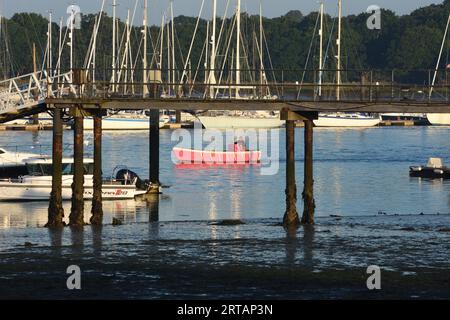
(36, 184)
(346, 120)
(126, 121)
(439, 119)
(228, 122)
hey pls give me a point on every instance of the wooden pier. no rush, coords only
(80, 102)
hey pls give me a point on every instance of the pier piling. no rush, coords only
(97, 207)
(76, 217)
(291, 218)
(308, 191)
(55, 209)
(154, 151)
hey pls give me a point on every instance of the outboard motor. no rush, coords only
(128, 177)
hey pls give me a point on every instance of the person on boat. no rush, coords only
(213, 145)
(241, 145)
(236, 146)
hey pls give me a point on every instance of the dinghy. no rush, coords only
(434, 169)
(189, 156)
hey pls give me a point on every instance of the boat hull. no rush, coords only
(224, 122)
(328, 121)
(431, 173)
(188, 156)
(40, 191)
(439, 119)
(111, 124)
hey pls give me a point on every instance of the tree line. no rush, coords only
(409, 41)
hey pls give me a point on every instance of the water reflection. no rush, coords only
(308, 245)
(359, 172)
(77, 240)
(55, 235)
(291, 245)
(152, 204)
(97, 240)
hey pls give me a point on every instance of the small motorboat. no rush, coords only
(209, 157)
(28, 177)
(434, 169)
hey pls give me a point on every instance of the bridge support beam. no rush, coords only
(291, 219)
(308, 191)
(178, 116)
(55, 208)
(76, 217)
(97, 206)
(154, 152)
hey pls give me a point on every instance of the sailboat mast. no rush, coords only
(321, 50)
(169, 75)
(49, 45)
(113, 79)
(71, 36)
(173, 45)
(161, 48)
(212, 77)
(206, 54)
(238, 47)
(261, 57)
(144, 60)
(338, 67)
(440, 55)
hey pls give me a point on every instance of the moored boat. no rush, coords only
(230, 122)
(125, 122)
(346, 120)
(435, 169)
(190, 156)
(439, 119)
(35, 182)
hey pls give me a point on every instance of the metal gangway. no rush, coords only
(25, 95)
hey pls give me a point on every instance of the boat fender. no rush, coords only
(438, 171)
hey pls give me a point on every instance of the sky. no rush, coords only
(271, 8)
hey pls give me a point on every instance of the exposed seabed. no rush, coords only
(254, 260)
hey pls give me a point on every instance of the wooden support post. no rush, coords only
(76, 217)
(154, 151)
(291, 218)
(178, 116)
(55, 208)
(97, 208)
(308, 192)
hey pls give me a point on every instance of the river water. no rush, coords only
(387, 218)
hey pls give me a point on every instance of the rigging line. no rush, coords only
(307, 58)
(198, 67)
(222, 27)
(35, 31)
(230, 38)
(192, 42)
(179, 46)
(271, 62)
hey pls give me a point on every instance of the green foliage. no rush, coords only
(404, 42)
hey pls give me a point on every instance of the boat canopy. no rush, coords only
(45, 169)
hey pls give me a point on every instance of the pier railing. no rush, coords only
(274, 84)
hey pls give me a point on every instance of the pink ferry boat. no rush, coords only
(189, 156)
